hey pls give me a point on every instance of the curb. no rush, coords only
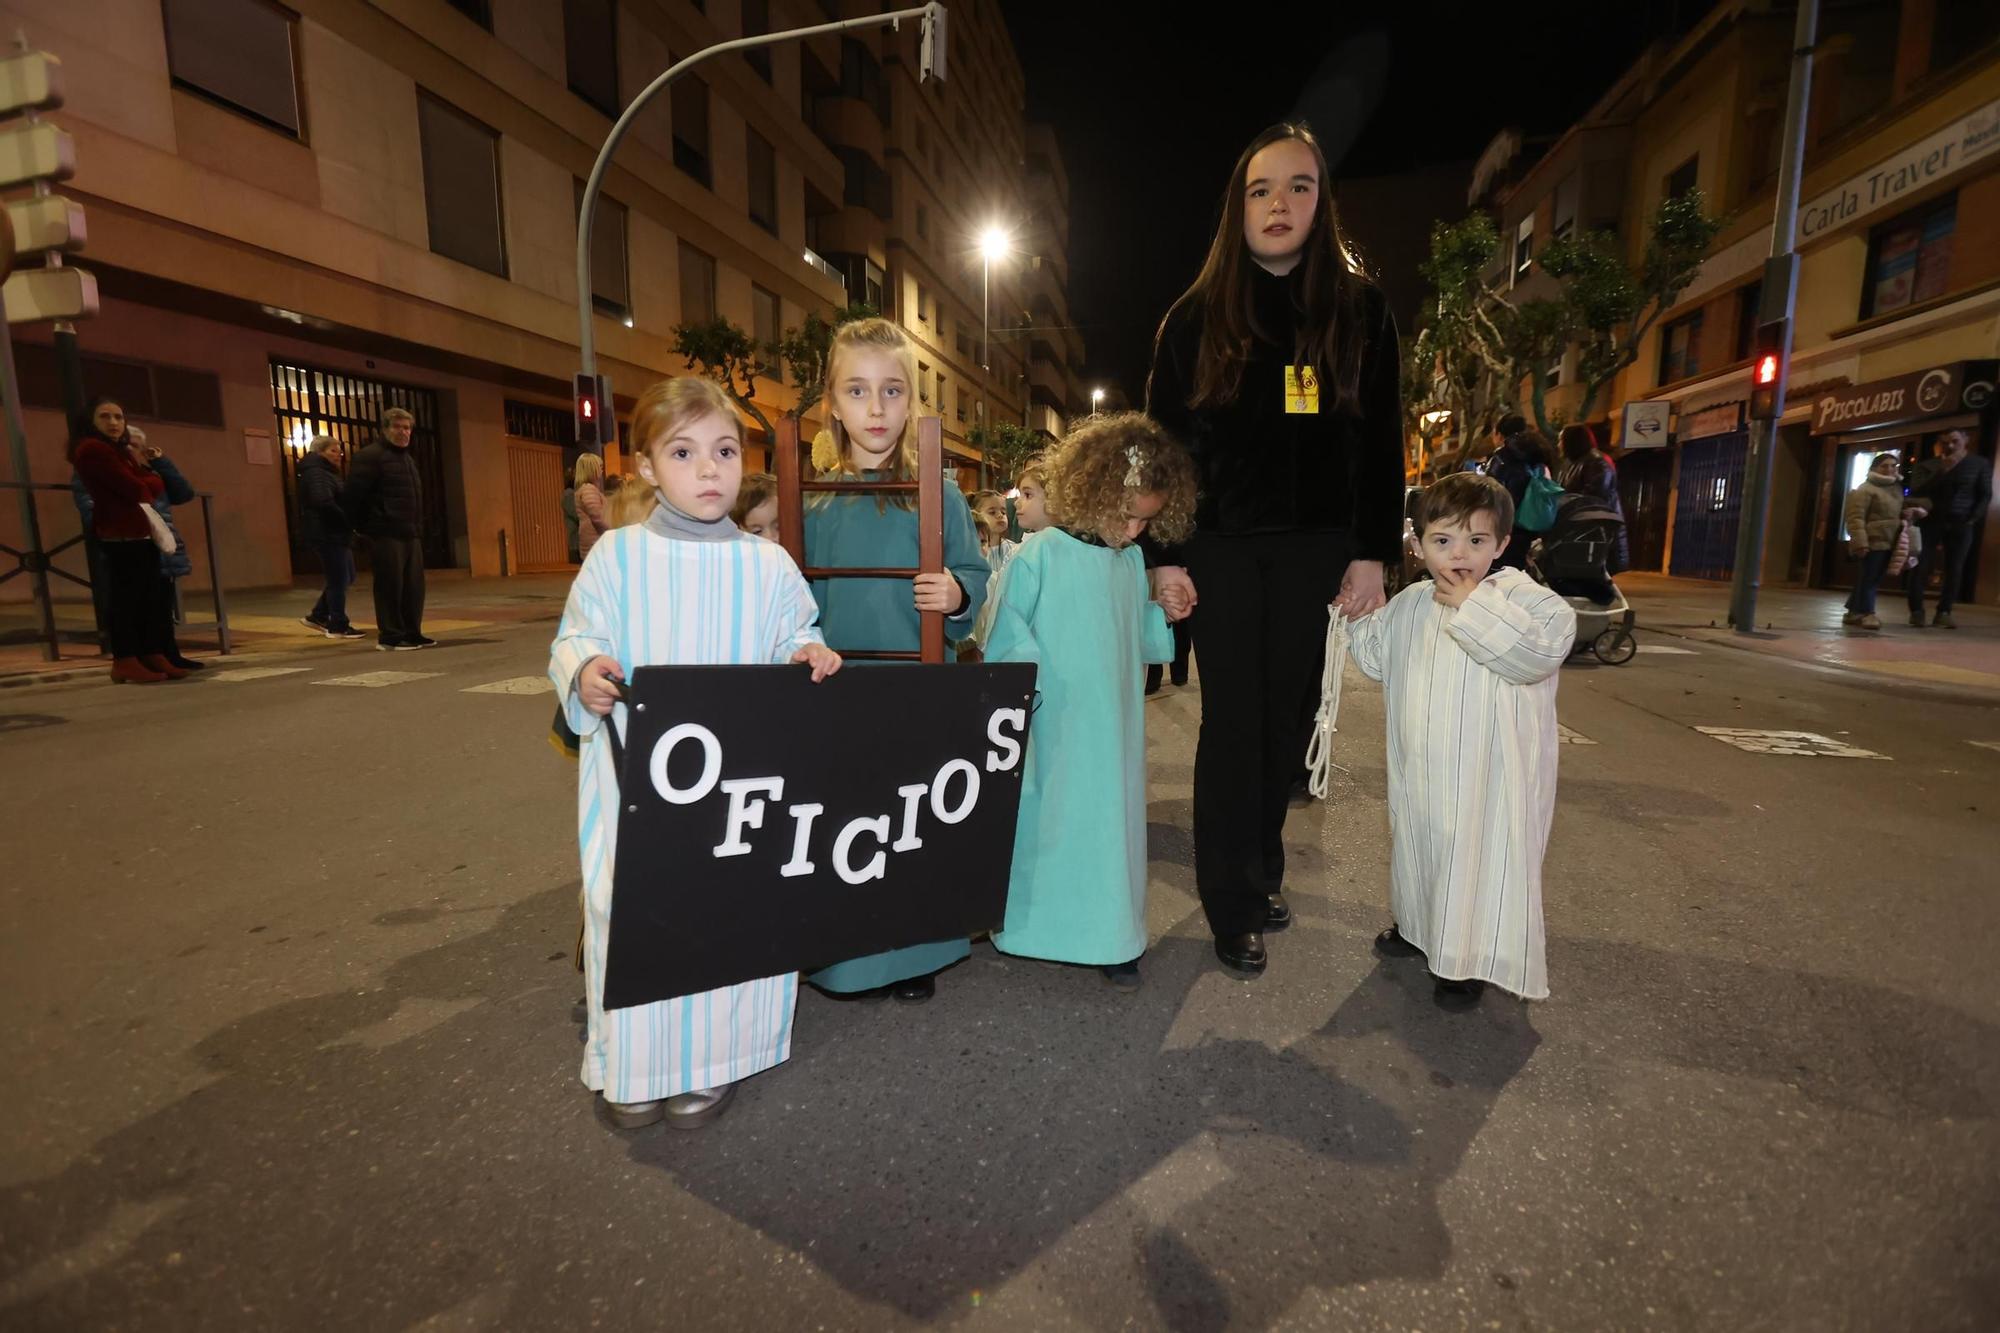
(1840, 672)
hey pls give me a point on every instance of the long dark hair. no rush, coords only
(1329, 283)
(1578, 442)
(86, 428)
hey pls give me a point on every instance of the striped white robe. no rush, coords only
(1472, 770)
(649, 600)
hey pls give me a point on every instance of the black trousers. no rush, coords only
(1183, 640)
(1260, 631)
(1945, 545)
(139, 600)
(399, 587)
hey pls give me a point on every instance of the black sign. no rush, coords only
(771, 825)
(1963, 386)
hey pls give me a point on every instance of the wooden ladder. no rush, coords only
(929, 488)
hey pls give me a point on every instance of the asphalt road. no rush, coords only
(288, 976)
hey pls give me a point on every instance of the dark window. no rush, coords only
(690, 117)
(964, 346)
(923, 382)
(1747, 301)
(1909, 259)
(533, 421)
(1563, 209)
(866, 185)
(861, 76)
(697, 285)
(590, 46)
(872, 279)
(763, 165)
(461, 186)
(1682, 178)
(757, 22)
(1680, 349)
(763, 315)
(1960, 28)
(923, 222)
(237, 52)
(147, 392)
(479, 11)
(1524, 248)
(923, 304)
(610, 287)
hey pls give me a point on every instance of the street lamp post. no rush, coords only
(992, 246)
(1096, 402)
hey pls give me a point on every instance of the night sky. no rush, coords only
(1151, 115)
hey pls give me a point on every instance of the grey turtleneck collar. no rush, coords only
(678, 525)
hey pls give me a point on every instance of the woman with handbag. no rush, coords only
(1878, 534)
(122, 489)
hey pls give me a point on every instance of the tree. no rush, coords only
(1609, 308)
(1007, 447)
(726, 353)
(1463, 360)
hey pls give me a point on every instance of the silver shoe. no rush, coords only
(692, 1110)
(634, 1115)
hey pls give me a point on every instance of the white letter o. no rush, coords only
(964, 807)
(711, 764)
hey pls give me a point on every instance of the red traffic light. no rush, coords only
(1767, 368)
(586, 407)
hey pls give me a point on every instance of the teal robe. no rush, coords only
(1082, 613)
(857, 614)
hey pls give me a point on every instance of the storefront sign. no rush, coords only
(1721, 419)
(1963, 386)
(1645, 424)
(1943, 154)
(770, 825)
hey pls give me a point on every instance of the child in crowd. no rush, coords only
(871, 377)
(756, 510)
(1075, 602)
(686, 587)
(989, 508)
(1468, 663)
(1031, 497)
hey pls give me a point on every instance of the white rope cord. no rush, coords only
(1319, 753)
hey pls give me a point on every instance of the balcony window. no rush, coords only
(239, 53)
(1909, 259)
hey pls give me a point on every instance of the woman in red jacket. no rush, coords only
(140, 600)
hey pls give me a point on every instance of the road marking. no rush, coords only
(375, 680)
(256, 673)
(1986, 745)
(1564, 736)
(1665, 649)
(1798, 743)
(518, 685)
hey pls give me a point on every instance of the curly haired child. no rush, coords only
(1075, 601)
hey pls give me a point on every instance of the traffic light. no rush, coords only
(596, 416)
(1767, 370)
(35, 153)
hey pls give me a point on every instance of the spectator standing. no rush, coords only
(1874, 516)
(591, 520)
(324, 524)
(1956, 494)
(1523, 452)
(384, 500)
(117, 486)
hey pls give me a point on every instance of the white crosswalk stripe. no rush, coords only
(1986, 745)
(1799, 744)
(1565, 736)
(1667, 650)
(255, 673)
(375, 680)
(516, 685)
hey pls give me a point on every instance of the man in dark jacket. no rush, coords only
(324, 526)
(385, 500)
(1957, 494)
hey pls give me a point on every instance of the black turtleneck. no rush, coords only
(1263, 469)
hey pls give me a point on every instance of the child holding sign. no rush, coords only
(1075, 602)
(871, 376)
(684, 588)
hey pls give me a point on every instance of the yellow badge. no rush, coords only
(1301, 390)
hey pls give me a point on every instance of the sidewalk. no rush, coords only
(266, 621)
(1804, 625)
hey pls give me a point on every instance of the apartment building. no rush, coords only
(1898, 312)
(302, 214)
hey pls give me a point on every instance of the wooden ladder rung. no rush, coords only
(863, 487)
(857, 572)
(878, 655)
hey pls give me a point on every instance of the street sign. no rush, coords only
(1645, 425)
(32, 295)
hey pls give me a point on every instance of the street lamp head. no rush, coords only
(993, 244)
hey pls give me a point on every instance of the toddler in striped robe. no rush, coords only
(684, 588)
(1468, 663)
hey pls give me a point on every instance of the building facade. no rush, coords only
(1897, 321)
(300, 215)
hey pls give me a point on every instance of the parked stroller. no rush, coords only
(1573, 558)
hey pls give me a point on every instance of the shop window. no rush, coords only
(1680, 349)
(1909, 259)
(461, 186)
(239, 53)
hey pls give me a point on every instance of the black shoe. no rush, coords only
(1122, 976)
(916, 990)
(1917, 618)
(1179, 678)
(1301, 795)
(185, 663)
(349, 632)
(319, 625)
(1457, 994)
(1152, 680)
(387, 645)
(415, 642)
(1391, 944)
(1242, 953)
(1279, 914)
(1943, 620)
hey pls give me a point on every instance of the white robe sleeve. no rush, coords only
(794, 617)
(1521, 631)
(589, 620)
(1364, 642)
